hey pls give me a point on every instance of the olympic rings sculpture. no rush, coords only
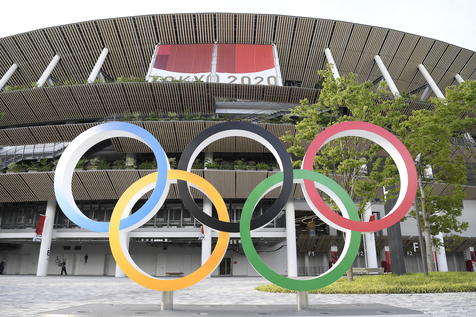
(122, 221)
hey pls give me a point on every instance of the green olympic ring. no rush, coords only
(346, 205)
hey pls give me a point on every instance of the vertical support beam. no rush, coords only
(47, 73)
(277, 67)
(47, 235)
(97, 67)
(386, 75)
(426, 94)
(441, 255)
(167, 300)
(124, 236)
(291, 239)
(394, 237)
(458, 78)
(430, 81)
(330, 60)
(8, 75)
(213, 72)
(207, 232)
(369, 239)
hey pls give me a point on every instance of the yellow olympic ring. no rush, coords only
(122, 256)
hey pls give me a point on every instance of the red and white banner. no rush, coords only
(219, 63)
(39, 228)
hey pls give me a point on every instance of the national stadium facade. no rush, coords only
(176, 75)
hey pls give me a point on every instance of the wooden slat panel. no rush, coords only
(222, 145)
(300, 48)
(185, 28)
(20, 136)
(4, 139)
(165, 134)
(94, 44)
(88, 100)
(186, 130)
(17, 188)
(246, 181)
(387, 52)
(72, 71)
(264, 29)
(109, 35)
(316, 60)
(339, 39)
(79, 192)
(46, 53)
(122, 180)
(97, 184)
(146, 36)
(84, 57)
(8, 118)
(18, 107)
(224, 182)
(45, 134)
(113, 98)
(245, 28)
(140, 97)
(63, 102)
(372, 47)
(355, 46)
(167, 97)
(37, 63)
(205, 26)
(285, 26)
(225, 27)
(4, 195)
(40, 184)
(128, 36)
(166, 29)
(40, 104)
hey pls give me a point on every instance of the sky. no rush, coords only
(452, 21)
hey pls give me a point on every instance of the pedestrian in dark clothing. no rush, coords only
(2, 267)
(63, 268)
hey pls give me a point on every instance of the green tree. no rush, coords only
(359, 166)
(432, 133)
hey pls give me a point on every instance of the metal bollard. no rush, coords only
(302, 300)
(167, 300)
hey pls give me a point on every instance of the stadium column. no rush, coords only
(8, 75)
(369, 241)
(431, 82)
(291, 239)
(458, 78)
(207, 208)
(386, 75)
(46, 236)
(45, 77)
(124, 241)
(441, 261)
(330, 60)
(440, 252)
(97, 67)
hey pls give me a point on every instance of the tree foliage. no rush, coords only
(363, 169)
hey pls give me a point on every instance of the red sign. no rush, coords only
(219, 63)
(39, 226)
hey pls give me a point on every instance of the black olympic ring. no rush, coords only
(228, 129)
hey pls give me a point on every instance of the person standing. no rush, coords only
(63, 267)
(2, 267)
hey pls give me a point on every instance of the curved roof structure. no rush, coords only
(300, 44)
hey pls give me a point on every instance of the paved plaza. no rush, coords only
(30, 295)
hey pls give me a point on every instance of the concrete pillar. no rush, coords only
(459, 79)
(369, 242)
(330, 60)
(97, 67)
(441, 255)
(386, 75)
(207, 232)
(130, 161)
(430, 81)
(167, 300)
(306, 264)
(291, 239)
(47, 235)
(9, 74)
(302, 300)
(124, 240)
(47, 73)
(425, 94)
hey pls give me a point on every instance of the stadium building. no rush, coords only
(176, 75)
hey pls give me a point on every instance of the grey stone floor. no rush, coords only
(30, 295)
